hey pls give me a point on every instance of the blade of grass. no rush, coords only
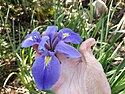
(112, 79)
(10, 75)
(108, 20)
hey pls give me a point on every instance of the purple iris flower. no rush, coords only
(46, 68)
(32, 39)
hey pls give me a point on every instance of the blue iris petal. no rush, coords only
(38, 71)
(67, 50)
(31, 39)
(42, 44)
(50, 31)
(28, 42)
(36, 36)
(46, 76)
(67, 35)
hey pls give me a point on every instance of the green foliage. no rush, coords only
(23, 10)
(79, 20)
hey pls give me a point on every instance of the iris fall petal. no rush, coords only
(46, 76)
(38, 71)
(28, 42)
(31, 39)
(68, 35)
(67, 50)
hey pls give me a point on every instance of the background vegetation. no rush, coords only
(20, 17)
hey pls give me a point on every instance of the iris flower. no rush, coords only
(46, 68)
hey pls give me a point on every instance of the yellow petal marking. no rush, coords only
(47, 58)
(65, 35)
